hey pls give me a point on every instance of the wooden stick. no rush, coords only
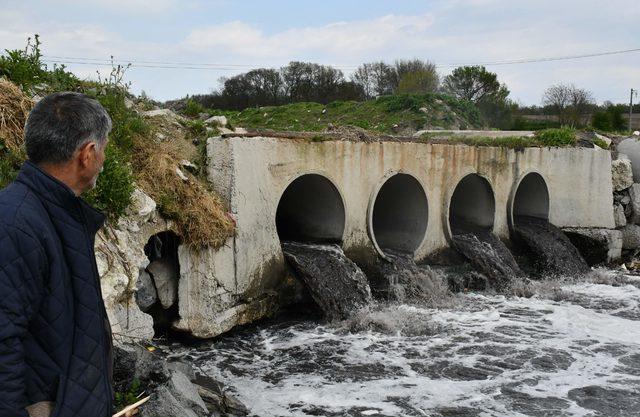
(131, 407)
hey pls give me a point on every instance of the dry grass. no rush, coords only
(14, 109)
(199, 215)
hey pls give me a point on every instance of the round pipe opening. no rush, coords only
(400, 215)
(472, 206)
(531, 198)
(311, 210)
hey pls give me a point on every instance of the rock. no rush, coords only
(225, 131)
(160, 113)
(189, 166)
(146, 294)
(141, 205)
(603, 138)
(128, 103)
(164, 274)
(625, 200)
(184, 367)
(423, 110)
(622, 173)
(636, 133)
(631, 236)
(631, 148)
(182, 175)
(619, 216)
(240, 130)
(164, 404)
(186, 392)
(634, 195)
(160, 137)
(220, 121)
(597, 246)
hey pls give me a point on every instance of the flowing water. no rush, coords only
(336, 284)
(550, 247)
(573, 349)
(489, 255)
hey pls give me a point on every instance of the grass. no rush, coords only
(387, 114)
(561, 137)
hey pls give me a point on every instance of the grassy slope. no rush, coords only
(388, 114)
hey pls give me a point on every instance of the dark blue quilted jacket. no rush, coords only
(55, 338)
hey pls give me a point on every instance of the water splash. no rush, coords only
(335, 283)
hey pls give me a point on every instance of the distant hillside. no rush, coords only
(400, 114)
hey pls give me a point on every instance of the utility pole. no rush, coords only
(631, 106)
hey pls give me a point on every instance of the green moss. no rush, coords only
(599, 142)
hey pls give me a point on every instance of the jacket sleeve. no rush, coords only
(22, 265)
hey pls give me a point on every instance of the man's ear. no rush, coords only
(86, 154)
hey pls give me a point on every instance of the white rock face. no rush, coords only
(622, 173)
(120, 256)
(631, 148)
(166, 276)
(220, 121)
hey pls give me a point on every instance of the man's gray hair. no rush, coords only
(62, 122)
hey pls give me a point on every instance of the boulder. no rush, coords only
(621, 173)
(634, 195)
(631, 236)
(146, 294)
(160, 113)
(187, 393)
(166, 276)
(631, 148)
(597, 246)
(164, 404)
(141, 205)
(220, 121)
(619, 216)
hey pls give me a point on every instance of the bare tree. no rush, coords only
(568, 102)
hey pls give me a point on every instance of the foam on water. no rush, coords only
(486, 355)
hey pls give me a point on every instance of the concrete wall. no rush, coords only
(252, 174)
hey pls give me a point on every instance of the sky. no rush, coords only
(210, 39)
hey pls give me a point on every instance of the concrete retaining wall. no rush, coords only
(252, 174)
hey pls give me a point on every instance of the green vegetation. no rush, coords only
(556, 137)
(123, 399)
(387, 114)
(543, 138)
(193, 108)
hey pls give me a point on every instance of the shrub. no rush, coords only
(23, 66)
(193, 108)
(556, 137)
(115, 184)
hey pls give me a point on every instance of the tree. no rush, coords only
(415, 76)
(418, 82)
(376, 78)
(568, 102)
(474, 84)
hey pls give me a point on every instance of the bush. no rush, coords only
(556, 137)
(115, 184)
(193, 108)
(23, 66)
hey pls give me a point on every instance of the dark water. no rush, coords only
(551, 249)
(335, 283)
(573, 349)
(489, 255)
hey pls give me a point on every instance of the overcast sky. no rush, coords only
(239, 35)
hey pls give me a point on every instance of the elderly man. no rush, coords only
(55, 337)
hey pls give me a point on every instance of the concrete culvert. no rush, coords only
(400, 214)
(531, 198)
(472, 206)
(311, 210)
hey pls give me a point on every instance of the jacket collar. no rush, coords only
(56, 192)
